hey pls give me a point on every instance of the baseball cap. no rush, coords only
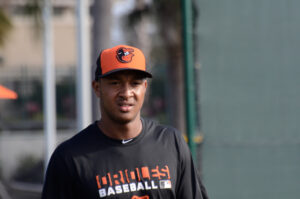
(121, 57)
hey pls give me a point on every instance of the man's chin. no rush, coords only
(125, 119)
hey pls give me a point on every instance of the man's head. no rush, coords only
(120, 83)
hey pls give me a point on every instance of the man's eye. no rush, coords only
(137, 82)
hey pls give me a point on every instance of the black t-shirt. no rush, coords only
(155, 164)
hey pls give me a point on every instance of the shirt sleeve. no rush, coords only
(189, 184)
(58, 182)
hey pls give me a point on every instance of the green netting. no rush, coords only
(249, 95)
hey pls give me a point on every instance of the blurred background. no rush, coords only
(246, 67)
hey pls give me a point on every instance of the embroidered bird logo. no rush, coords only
(124, 55)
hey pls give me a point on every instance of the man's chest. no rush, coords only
(128, 173)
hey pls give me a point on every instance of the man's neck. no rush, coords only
(121, 131)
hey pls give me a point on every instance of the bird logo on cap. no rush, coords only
(124, 55)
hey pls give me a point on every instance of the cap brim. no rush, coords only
(147, 74)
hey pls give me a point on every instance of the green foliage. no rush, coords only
(162, 10)
(27, 110)
(65, 98)
(30, 169)
(136, 15)
(23, 105)
(33, 9)
(5, 26)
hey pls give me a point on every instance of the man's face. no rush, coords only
(121, 95)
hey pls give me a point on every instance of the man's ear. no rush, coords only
(146, 83)
(96, 87)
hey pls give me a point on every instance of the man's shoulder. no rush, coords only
(159, 128)
(77, 141)
(157, 124)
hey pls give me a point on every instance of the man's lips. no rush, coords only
(125, 107)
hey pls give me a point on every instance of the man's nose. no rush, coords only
(126, 91)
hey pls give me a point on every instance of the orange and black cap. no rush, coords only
(121, 57)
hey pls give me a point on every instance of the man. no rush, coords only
(123, 155)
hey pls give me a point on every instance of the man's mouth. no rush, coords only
(125, 107)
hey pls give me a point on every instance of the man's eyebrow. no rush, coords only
(112, 77)
(140, 76)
